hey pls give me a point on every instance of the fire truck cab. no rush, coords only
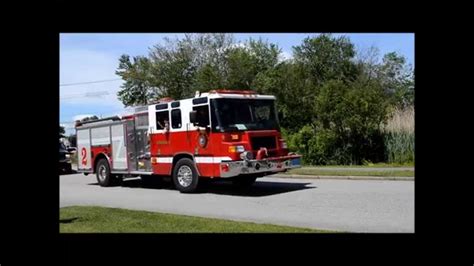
(219, 134)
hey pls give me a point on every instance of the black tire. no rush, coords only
(244, 181)
(104, 177)
(185, 165)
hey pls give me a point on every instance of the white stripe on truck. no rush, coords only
(196, 159)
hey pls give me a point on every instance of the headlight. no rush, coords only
(284, 145)
(238, 148)
(68, 156)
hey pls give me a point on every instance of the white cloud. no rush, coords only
(284, 56)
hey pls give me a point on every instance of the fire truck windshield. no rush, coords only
(243, 114)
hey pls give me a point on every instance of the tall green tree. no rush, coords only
(331, 99)
(325, 57)
(297, 83)
(246, 63)
(174, 69)
(347, 130)
(397, 78)
(140, 84)
(200, 62)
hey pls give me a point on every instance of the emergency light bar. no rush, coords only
(113, 118)
(224, 91)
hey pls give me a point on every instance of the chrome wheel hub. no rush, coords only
(185, 176)
(102, 172)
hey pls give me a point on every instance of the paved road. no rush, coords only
(363, 169)
(346, 205)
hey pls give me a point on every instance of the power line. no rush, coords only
(106, 113)
(88, 82)
(85, 95)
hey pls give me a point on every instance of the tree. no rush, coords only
(62, 131)
(295, 95)
(175, 69)
(393, 73)
(140, 85)
(72, 140)
(397, 78)
(332, 99)
(325, 58)
(198, 62)
(347, 130)
(245, 63)
(297, 83)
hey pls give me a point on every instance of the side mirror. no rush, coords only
(192, 117)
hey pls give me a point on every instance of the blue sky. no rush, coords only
(90, 57)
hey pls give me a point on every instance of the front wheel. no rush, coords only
(185, 177)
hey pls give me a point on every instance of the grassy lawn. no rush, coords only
(82, 219)
(376, 165)
(321, 172)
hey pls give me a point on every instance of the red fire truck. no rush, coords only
(219, 134)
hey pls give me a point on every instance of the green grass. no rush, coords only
(369, 165)
(326, 172)
(87, 219)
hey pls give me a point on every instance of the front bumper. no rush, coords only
(268, 166)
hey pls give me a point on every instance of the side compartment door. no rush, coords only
(119, 150)
(84, 149)
(142, 142)
(131, 147)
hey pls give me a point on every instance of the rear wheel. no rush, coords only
(185, 177)
(104, 177)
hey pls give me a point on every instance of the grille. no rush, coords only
(263, 142)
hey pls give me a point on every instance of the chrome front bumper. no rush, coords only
(270, 165)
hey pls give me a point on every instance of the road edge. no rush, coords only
(394, 178)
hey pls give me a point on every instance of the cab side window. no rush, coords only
(176, 118)
(162, 119)
(202, 114)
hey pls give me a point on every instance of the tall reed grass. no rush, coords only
(399, 136)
